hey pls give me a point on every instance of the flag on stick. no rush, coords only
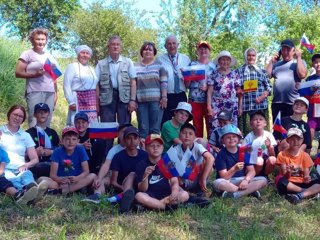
(306, 43)
(194, 73)
(105, 130)
(278, 127)
(52, 70)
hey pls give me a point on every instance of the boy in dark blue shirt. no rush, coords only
(156, 191)
(123, 167)
(235, 178)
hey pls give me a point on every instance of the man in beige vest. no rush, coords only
(116, 90)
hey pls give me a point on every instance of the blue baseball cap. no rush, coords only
(81, 115)
(41, 106)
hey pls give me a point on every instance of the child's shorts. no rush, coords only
(4, 184)
(158, 195)
(283, 183)
(314, 122)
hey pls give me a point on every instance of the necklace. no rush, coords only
(82, 81)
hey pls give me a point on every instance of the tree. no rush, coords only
(237, 25)
(96, 24)
(23, 15)
(209, 20)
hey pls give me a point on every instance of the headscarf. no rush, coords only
(80, 48)
(256, 67)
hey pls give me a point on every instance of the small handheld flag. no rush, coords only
(278, 127)
(194, 73)
(305, 42)
(317, 163)
(192, 168)
(53, 71)
(105, 130)
(167, 165)
(244, 153)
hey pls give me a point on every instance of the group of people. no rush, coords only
(167, 160)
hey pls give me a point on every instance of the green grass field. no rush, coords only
(59, 217)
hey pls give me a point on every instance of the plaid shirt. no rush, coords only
(248, 72)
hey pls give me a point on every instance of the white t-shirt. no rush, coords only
(16, 146)
(35, 61)
(261, 140)
(197, 151)
(113, 151)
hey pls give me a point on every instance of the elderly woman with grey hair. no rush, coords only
(256, 87)
(80, 82)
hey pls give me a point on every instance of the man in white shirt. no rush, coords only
(173, 61)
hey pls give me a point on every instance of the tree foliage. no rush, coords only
(237, 25)
(23, 15)
(96, 24)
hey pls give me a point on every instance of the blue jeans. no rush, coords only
(19, 179)
(149, 118)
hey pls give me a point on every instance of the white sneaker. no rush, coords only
(42, 189)
(27, 196)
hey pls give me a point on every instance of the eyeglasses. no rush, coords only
(17, 115)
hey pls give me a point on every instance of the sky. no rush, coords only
(151, 6)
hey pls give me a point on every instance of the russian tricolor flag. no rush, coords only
(278, 127)
(105, 130)
(245, 153)
(194, 73)
(167, 164)
(305, 42)
(192, 169)
(317, 163)
(53, 71)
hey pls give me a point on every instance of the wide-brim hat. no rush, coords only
(186, 107)
(225, 54)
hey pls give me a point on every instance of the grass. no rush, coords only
(59, 217)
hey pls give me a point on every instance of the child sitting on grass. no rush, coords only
(295, 182)
(235, 178)
(266, 154)
(171, 128)
(202, 158)
(45, 138)
(123, 168)
(22, 196)
(300, 107)
(69, 170)
(103, 179)
(224, 118)
(156, 191)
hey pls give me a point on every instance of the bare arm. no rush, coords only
(227, 174)
(21, 70)
(114, 178)
(301, 69)
(33, 156)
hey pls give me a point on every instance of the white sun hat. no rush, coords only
(225, 54)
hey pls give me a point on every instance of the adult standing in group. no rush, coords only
(256, 88)
(40, 86)
(152, 83)
(224, 87)
(198, 89)
(80, 83)
(116, 91)
(173, 61)
(287, 74)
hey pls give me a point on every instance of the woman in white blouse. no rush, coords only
(80, 82)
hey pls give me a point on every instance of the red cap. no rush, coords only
(153, 137)
(69, 129)
(204, 43)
